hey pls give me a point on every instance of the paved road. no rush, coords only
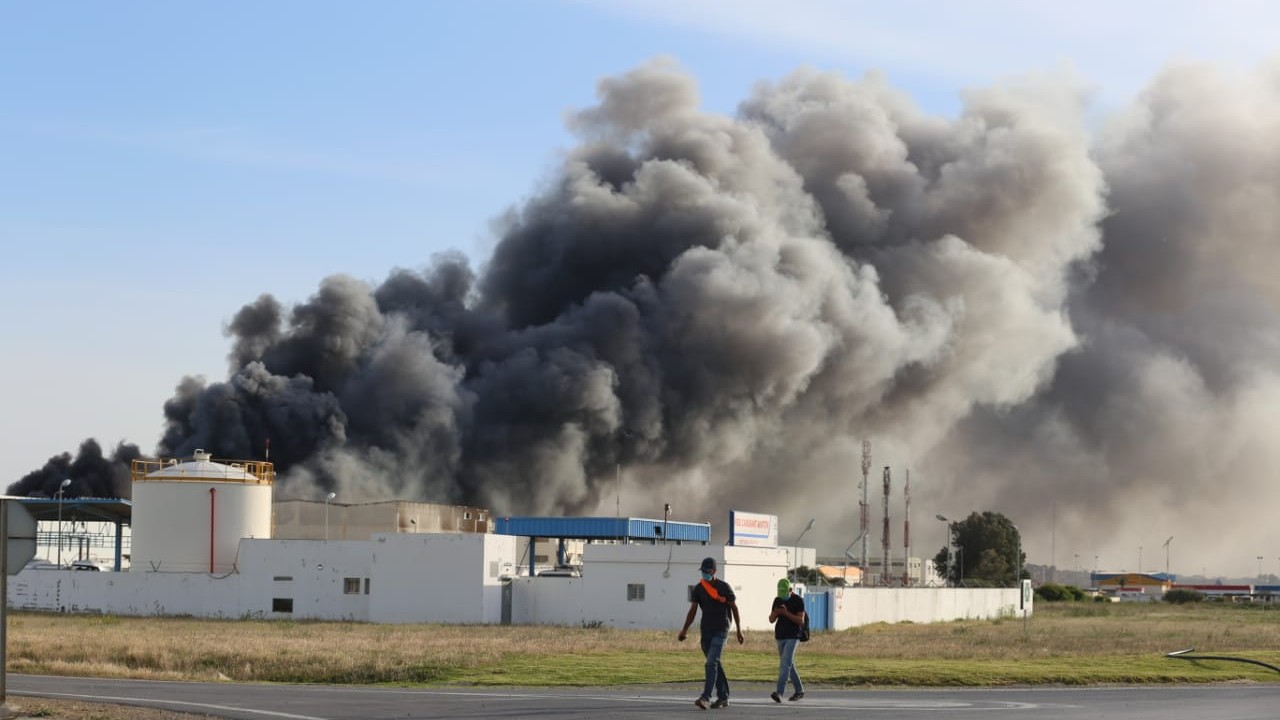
(330, 702)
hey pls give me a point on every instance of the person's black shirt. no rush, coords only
(715, 614)
(784, 629)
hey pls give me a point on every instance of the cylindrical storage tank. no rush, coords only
(190, 516)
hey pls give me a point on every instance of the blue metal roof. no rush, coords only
(603, 528)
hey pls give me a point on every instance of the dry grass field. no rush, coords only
(1061, 643)
(73, 710)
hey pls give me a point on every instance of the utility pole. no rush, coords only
(1053, 545)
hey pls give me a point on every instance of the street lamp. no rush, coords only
(948, 522)
(847, 557)
(327, 498)
(795, 549)
(61, 490)
(1259, 568)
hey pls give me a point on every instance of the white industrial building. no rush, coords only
(202, 547)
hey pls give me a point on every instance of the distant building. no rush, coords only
(916, 571)
(840, 574)
(309, 519)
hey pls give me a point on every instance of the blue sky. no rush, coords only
(162, 164)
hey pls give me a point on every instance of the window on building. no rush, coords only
(283, 578)
(635, 592)
(282, 605)
(351, 586)
(466, 516)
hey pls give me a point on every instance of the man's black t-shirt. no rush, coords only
(715, 613)
(784, 629)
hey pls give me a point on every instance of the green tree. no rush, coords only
(806, 575)
(985, 551)
(1180, 596)
(1052, 592)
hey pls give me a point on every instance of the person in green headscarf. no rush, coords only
(788, 619)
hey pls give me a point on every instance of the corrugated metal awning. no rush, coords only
(603, 528)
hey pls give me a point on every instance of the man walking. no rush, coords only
(788, 618)
(718, 603)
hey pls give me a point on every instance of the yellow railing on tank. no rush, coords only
(262, 472)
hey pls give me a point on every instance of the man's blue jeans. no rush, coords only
(787, 665)
(712, 647)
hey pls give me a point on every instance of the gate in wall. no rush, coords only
(818, 606)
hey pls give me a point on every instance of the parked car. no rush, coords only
(84, 565)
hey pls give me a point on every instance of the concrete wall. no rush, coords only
(313, 575)
(446, 578)
(754, 573)
(664, 571)
(114, 593)
(851, 607)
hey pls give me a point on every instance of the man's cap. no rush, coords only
(784, 588)
(708, 564)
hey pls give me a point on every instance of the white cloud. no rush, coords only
(1116, 46)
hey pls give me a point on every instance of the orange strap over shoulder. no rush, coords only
(711, 591)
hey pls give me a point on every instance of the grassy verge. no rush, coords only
(1062, 644)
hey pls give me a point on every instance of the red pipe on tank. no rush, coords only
(213, 493)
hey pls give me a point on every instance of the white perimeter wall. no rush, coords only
(665, 571)
(851, 607)
(123, 593)
(411, 578)
(457, 578)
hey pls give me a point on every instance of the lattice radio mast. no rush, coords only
(906, 534)
(864, 506)
(884, 536)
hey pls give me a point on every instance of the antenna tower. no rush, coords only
(906, 535)
(884, 536)
(864, 506)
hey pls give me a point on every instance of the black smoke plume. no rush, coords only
(1074, 327)
(91, 473)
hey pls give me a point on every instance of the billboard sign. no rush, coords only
(753, 529)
